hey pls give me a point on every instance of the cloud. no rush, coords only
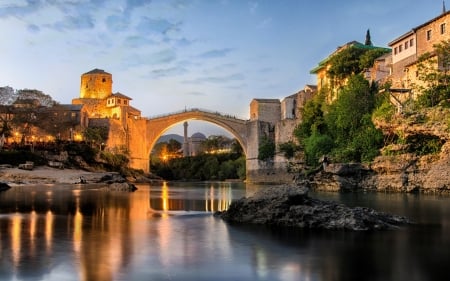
(265, 23)
(117, 22)
(215, 53)
(217, 79)
(136, 41)
(159, 26)
(73, 23)
(161, 57)
(33, 28)
(253, 6)
(196, 94)
(166, 72)
(19, 8)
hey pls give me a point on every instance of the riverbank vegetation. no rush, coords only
(344, 129)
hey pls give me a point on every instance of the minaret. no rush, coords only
(443, 7)
(186, 141)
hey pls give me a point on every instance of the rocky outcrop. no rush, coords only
(396, 173)
(4, 186)
(291, 206)
(117, 183)
(121, 186)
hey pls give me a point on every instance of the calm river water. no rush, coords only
(168, 232)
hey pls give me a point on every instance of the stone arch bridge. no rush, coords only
(143, 133)
(158, 125)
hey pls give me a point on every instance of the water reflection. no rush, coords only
(214, 197)
(167, 232)
(87, 233)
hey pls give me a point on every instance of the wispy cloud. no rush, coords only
(217, 79)
(168, 72)
(73, 23)
(215, 53)
(137, 41)
(253, 7)
(264, 23)
(139, 59)
(19, 8)
(159, 26)
(195, 94)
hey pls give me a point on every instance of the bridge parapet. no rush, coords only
(196, 110)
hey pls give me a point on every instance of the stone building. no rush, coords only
(106, 109)
(409, 47)
(324, 80)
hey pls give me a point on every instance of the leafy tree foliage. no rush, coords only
(434, 75)
(96, 135)
(266, 149)
(28, 94)
(352, 61)
(346, 63)
(288, 149)
(344, 129)
(202, 167)
(7, 95)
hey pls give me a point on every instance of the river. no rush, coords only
(167, 232)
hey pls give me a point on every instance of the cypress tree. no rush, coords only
(368, 41)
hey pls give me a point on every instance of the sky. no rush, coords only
(169, 55)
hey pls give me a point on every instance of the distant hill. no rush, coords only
(167, 138)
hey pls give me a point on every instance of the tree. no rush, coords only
(96, 135)
(434, 75)
(44, 100)
(266, 149)
(368, 42)
(7, 95)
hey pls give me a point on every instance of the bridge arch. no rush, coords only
(158, 125)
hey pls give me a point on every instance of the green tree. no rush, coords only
(266, 149)
(96, 135)
(434, 75)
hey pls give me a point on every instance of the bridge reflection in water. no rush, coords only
(166, 200)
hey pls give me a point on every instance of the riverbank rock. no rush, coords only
(121, 186)
(4, 186)
(291, 206)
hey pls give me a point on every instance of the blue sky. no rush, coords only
(171, 54)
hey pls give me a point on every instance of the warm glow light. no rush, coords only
(165, 196)
(77, 227)
(78, 137)
(16, 231)
(49, 230)
(33, 223)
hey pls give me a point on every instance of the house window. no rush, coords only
(406, 45)
(124, 102)
(400, 48)
(118, 101)
(411, 42)
(429, 35)
(395, 50)
(442, 28)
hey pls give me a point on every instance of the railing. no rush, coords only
(229, 116)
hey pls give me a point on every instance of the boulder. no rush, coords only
(290, 206)
(121, 186)
(4, 186)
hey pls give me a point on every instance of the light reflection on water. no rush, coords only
(167, 232)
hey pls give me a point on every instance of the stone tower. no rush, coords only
(96, 84)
